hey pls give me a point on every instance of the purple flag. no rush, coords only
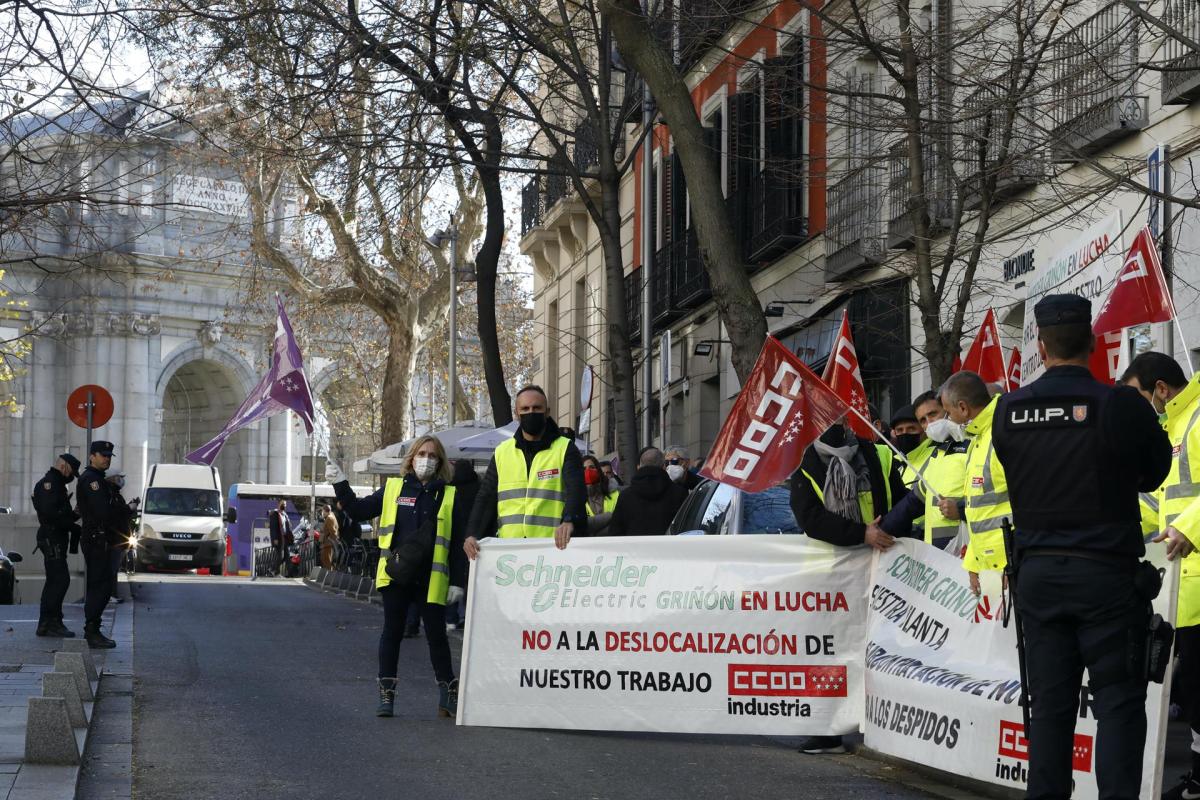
(285, 386)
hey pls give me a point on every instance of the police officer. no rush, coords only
(56, 532)
(100, 520)
(1076, 454)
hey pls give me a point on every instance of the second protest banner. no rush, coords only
(755, 634)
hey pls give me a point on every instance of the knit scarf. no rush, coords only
(845, 476)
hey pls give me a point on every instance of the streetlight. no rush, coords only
(436, 241)
(704, 347)
(775, 308)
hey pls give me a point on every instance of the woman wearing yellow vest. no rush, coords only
(403, 505)
(601, 499)
(844, 485)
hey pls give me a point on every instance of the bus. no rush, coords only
(250, 503)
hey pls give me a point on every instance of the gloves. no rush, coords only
(333, 472)
(454, 594)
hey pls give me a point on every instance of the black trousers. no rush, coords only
(396, 602)
(58, 579)
(1187, 678)
(1081, 613)
(99, 577)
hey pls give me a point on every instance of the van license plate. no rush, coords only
(178, 557)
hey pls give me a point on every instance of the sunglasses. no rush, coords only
(674, 460)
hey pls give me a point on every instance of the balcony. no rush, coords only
(532, 210)
(983, 130)
(586, 150)
(1094, 90)
(662, 296)
(777, 219)
(938, 201)
(689, 278)
(633, 304)
(702, 23)
(1181, 65)
(854, 235)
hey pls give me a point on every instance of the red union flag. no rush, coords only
(843, 376)
(986, 356)
(1140, 293)
(783, 407)
(1014, 369)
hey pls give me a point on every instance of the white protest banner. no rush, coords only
(943, 682)
(706, 634)
(1088, 267)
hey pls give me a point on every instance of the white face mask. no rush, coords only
(424, 467)
(945, 429)
(675, 472)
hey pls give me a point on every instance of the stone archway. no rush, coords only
(198, 398)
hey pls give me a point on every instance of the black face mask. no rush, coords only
(533, 423)
(835, 436)
(907, 442)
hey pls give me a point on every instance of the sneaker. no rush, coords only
(1186, 789)
(448, 699)
(387, 697)
(822, 745)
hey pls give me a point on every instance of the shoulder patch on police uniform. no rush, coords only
(1048, 414)
(95, 486)
(47, 486)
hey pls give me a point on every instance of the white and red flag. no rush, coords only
(1014, 369)
(986, 356)
(1139, 296)
(844, 377)
(782, 409)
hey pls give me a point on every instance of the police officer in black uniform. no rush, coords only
(1076, 453)
(56, 532)
(99, 521)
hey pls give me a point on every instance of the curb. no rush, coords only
(975, 788)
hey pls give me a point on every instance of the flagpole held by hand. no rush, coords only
(899, 455)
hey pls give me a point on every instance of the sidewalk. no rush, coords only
(23, 658)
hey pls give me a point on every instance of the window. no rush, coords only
(146, 200)
(769, 511)
(122, 181)
(183, 502)
(860, 122)
(716, 514)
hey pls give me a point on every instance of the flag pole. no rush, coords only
(895, 450)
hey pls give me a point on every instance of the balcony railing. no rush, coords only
(633, 304)
(689, 279)
(1181, 65)
(854, 235)
(702, 23)
(984, 128)
(532, 209)
(662, 295)
(777, 219)
(586, 150)
(938, 195)
(1094, 93)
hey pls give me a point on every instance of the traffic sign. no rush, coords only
(101, 406)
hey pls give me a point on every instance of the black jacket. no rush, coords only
(835, 529)
(96, 506)
(52, 502)
(648, 505)
(466, 489)
(483, 515)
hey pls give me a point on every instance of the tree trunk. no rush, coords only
(737, 303)
(487, 264)
(620, 353)
(397, 378)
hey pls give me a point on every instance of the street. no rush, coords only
(267, 689)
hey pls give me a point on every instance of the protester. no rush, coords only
(329, 536)
(844, 485)
(647, 507)
(907, 433)
(1173, 510)
(601, 500)
(533, 487)
(57, 531)
(985, 490)
(876, 421)
(679, 467)
(98, 520)
(1077, 453)
(614, 479)
(279, 526)
(418, 505)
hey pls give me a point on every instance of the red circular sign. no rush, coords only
(102, 405)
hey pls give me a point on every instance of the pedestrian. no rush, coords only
(1077, 453)
(533, 487)
(99, 519)
(416, 508)
(1175, 509)
(614, 479)
(650, 503)
(601, 498)
(985, 503)
(57, 531)
(329, 536)
(118, 537)
(679, 467)
(279, 525)
(845, 483)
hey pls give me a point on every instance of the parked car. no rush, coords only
(8, 577)
(716, 509)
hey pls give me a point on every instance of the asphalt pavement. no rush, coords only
(267, 689)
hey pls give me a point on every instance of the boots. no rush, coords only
(95, 639)
(56, 629)
(387, 697)
(448, 699)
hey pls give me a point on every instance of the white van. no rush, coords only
(182, 518)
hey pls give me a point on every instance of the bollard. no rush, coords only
(49, 738)
(73, 663)
(62, 684)
(81, 646)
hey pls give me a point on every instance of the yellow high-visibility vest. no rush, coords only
(918, 462)
(610, 502)
(985, 490)
(1179, 496)
(866, 503)
(439, 574)
(530, 501)
(944, 472)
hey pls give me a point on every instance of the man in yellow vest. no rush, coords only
(984, 503)
(1160, 379)
(534, 485)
